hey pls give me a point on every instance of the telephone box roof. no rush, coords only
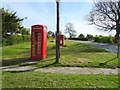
(38, 25)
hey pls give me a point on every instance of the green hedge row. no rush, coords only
(102, 39)
(14, 39)
(82, 39)
(99, 39)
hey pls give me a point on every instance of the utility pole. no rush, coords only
(57, 32)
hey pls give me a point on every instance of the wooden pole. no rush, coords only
(57, 33)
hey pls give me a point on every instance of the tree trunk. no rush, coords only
(70, 35)
(117, 31)
(117, 36)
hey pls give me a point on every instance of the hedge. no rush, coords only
(14, 39)
(99, 39)
(102, 39)
(82, 39)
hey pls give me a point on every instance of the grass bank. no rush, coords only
(73, 54)
(49, 80)
(15, 54)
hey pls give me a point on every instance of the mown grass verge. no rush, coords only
(15, 54)
(13, 79)
(73, 54)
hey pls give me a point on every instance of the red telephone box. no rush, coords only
(60, 40)
(38, 42)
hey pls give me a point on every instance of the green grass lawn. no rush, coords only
(49, 80)
(73, 54)
(15, 54)
(79, 55)
(16, 51)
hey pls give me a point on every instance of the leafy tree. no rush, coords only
(50, 33)
(81, 36)
(90, 37)
(106, 16)
(69, 28)
(53, 35)
(24, 31)
(11, 23)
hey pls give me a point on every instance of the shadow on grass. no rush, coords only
(105, 63)
(15, 71)
(93, 50)
(32, 69)
(48, 65)
(21, 71)
(14, 61)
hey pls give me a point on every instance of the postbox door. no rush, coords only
(60, 40)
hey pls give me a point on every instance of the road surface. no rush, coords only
(108, 47)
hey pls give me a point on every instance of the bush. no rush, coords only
(26, 38)
(102, 39)
(97, 39)
(15, 39)
(83, 39)
(74, 38)
(4, 41)
(90, 37)
(81, 36)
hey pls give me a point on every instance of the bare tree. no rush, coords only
(106, 16)
(69, 28)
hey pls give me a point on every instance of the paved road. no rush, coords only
(108, 47)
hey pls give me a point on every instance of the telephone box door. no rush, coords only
(38, 42)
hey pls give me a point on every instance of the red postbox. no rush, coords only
(60, 40)
(38, 42)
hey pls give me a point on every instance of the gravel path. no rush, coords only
(108, 47)
(64, 70)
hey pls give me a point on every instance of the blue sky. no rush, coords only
(45, 13)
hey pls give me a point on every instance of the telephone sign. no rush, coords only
(38, 42)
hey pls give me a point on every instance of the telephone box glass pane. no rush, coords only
(36, 45)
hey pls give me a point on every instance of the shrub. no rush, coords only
(14, 39)
(102, 39)
(4, 41)
(90, 37)
(26, 38)
(97, 39)
(83, 39)
(74, 38)
(81, 36)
